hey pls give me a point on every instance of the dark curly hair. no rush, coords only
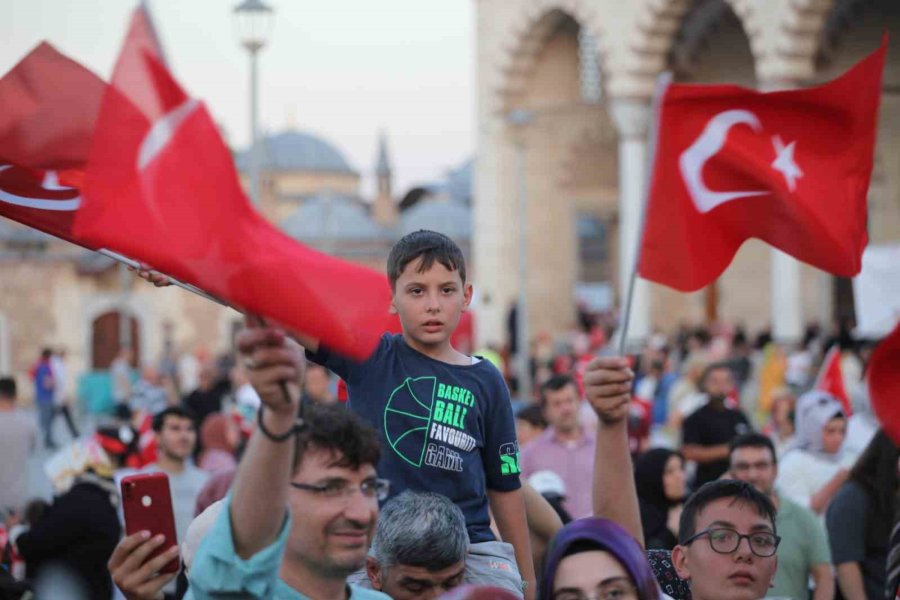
(334, 428)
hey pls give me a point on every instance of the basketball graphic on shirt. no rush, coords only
(407, 417)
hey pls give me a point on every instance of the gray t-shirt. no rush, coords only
(17, 438)
(803, 546)
(847, 519)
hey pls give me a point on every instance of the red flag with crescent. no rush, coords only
(161, 187)
(49, 108)
(791, 168)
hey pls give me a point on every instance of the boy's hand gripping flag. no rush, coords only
(791, 168)
(161, 187)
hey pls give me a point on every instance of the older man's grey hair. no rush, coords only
(420, 529)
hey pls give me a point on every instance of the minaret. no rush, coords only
(384, 209)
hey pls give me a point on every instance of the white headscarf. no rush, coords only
(813, 412)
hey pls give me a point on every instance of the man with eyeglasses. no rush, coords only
(302, 510)
(727, 536)
(804, 553)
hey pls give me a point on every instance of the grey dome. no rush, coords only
(297, 151)
(331, 216)
(450, 218)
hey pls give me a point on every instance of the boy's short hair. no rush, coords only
(738, 491)
(333, 428)
(754, 440)
(431, 246)
(182, 412)
(7, 388)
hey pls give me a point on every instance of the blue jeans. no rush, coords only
(45, 417)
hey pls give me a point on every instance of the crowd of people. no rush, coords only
(623, 477)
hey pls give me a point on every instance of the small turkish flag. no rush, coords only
(831, 378)
(791, 168)
(884, 383)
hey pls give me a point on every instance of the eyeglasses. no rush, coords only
(617, 589)
(377, 489)
(726, 541)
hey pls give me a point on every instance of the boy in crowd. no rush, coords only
(445, 418)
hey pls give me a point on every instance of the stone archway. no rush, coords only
(566, 136)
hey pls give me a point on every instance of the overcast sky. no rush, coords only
(341, 69)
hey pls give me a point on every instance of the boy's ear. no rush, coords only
(467, 296)
(679, 561)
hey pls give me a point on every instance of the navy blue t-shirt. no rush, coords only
(444, 428)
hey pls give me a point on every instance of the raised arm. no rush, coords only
(260, 496)
(608, 382)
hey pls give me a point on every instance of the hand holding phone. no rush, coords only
(147, 506)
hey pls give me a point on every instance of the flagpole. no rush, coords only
(662, 84)
(128, 262)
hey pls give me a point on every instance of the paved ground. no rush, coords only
(38, 484)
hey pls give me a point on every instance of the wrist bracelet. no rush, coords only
(298, 426)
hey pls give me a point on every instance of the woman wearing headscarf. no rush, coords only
(596, 558)
(660, 481)
(219, 437)
(815, 467)
(68, 547)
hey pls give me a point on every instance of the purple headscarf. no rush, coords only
(610, 537)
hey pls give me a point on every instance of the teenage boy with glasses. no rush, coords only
(727, 537)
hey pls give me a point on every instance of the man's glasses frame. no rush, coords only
(377, 489)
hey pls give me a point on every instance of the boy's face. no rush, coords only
(429, 304)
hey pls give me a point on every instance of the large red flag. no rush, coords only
(48, 109)
(831, 378)
(164, 190)
(791, 168)
(884, 383)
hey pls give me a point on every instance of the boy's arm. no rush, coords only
(508, 509)
(607, 383)
(260, 493)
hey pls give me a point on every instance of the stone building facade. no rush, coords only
(564, 112)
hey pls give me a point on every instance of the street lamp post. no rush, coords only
(253, 24)
(519, 119)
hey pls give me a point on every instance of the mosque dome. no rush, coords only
(331, 216)
(453, 219)
(298, 151)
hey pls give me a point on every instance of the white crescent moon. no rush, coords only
(706, 146)
(41, 204)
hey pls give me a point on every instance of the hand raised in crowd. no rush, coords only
(137, 577)
(607, 385)
(274, 362)
(154, 277)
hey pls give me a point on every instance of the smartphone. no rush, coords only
(147, 505)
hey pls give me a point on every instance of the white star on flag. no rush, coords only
(784, 162)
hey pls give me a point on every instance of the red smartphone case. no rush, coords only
(147, 505)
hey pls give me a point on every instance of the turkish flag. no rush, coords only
(49, 109)
(791, 168)
(161, 187)
(831, 378)
(884, 383)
